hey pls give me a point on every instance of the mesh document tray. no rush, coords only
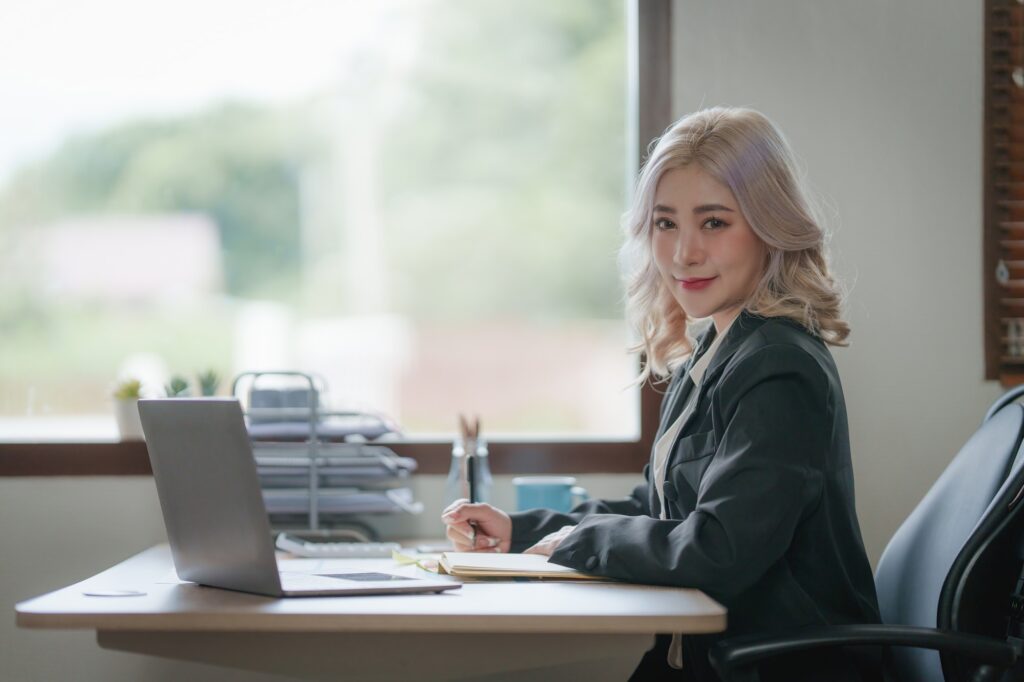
(331, 430)
(294, 414)
(342, 501)
(285, 465)
(318, 466)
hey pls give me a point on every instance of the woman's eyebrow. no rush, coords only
(661, 208)
(710, 208)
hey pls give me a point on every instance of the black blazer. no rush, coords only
(759, 492)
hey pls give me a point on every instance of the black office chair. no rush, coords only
(950, 582)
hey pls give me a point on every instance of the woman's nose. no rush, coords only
(689, 250)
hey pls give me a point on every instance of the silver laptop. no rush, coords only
(213, 509)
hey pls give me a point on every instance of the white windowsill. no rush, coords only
(77, 429)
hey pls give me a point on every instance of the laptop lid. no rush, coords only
(213, 509)
(209, 492)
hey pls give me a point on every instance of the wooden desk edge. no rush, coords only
(418, 623)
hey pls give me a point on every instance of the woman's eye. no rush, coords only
(714, 224)
(664, 224)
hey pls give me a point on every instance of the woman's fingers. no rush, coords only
(486, 543)
(477, 527)
(460, 540)
(462, 530)
(453, 506)
(457, 528)
(460, 510)
(543, 547)
(465, 540)
(549, 543)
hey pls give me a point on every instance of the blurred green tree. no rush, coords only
(236, 163)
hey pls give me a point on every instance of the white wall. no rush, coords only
(882, 100)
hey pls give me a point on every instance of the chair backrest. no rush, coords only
(954, 558)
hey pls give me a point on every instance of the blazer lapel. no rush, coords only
(677, 397)
(744, 325)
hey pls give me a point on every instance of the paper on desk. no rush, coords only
(497, 565)
(428, 562)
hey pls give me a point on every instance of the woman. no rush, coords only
(749, 492)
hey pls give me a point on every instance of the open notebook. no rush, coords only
(491, 565)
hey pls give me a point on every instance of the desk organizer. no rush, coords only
(318, 469)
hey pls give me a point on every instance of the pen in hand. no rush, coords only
(470, 433)
(470, 477)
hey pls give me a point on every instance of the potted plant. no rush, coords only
(208, 383)
(177, 387)
(126, 409)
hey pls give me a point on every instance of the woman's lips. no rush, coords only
(696, 284)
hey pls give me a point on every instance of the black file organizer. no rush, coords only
(318, 468)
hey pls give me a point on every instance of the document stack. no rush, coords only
(320, 470)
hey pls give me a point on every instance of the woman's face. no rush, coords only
(703, 247)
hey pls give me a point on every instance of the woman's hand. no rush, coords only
(477, 527)
(549, 543)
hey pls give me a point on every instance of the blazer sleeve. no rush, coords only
(530, 526)
(766, 472)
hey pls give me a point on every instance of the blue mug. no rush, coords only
(559, 493)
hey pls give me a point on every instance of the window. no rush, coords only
(383, 193)
(1004, 191)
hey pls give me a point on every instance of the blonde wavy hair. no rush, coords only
(743, 150)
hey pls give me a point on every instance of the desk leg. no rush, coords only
(398, 656)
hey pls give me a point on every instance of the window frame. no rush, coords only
(650, 112)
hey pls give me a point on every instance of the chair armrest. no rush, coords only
(730, 656)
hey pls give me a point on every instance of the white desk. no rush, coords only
(485, 630)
